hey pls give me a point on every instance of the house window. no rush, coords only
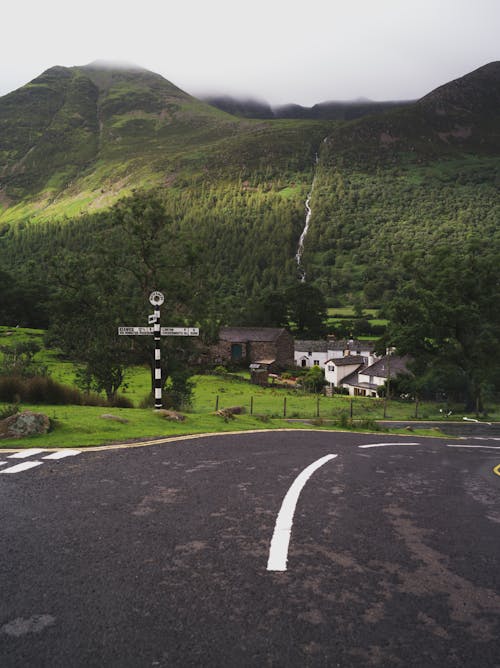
(304, 362)
(316, 362)
(310, 353)
(331, 367)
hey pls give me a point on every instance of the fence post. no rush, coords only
(216, 403)
(284, 406)
(317, 406)
(351, 408)
(251, 405)
(416, 407)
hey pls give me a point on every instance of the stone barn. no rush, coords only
(271, 347)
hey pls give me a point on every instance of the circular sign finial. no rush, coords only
(156, 298)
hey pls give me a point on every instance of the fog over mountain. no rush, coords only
(283, 52)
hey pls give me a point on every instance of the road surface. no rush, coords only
(161, 555)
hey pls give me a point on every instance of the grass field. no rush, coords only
(338, 315)
(270, 407)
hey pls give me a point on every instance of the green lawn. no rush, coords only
(269, 408)
(80, 426)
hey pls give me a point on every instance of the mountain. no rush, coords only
(463, 115)
(87, 132)
(328, 111)
(244, 108)
(406, 180)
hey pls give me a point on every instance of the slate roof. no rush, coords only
(383, 367)
(313, 346)
(353, 379)
(351, 344)
(349, 360)
(244, 334)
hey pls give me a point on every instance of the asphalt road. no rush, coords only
(158, 556)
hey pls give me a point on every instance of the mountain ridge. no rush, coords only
(409, 180)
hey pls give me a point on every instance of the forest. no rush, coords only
(209, 208)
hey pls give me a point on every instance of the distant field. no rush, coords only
(338, 315)
(348, 312)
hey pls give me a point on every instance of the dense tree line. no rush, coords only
(445, 314)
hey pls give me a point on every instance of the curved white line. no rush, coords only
(384, 445)
(278, 552)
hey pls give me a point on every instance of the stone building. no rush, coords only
(270, 347)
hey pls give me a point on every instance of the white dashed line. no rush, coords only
(26, 453)
(62, 453)
(278, 553)
(487, 447)
(24, 466)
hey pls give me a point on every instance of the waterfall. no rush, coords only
(300, 248)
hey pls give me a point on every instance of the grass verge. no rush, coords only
(83, 426)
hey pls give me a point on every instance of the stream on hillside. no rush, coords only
(300, 247)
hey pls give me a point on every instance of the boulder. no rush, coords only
(116, 418)
(24, 424)
(173, 416)
(235, 410)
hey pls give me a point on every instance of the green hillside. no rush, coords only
(75, 141)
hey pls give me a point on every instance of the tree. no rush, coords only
(446, 315)
(268, 310)
(18, 360)
(314, 379)
(109, 284)
(306, 310)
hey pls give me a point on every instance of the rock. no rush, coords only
(24, 424)
(173, 416)
(116, 418)
(235, 410)
(225, 413)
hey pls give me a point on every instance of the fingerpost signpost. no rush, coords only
(156, 299)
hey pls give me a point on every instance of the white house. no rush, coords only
(311, 353)
(337, 369)
(317, 353)
(366, 379)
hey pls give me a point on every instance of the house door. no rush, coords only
(236, 352)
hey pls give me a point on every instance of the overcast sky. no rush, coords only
(282, 51)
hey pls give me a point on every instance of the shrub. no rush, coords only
(120, 401)
(345, 421)
(369, 424)
(44, 390)
(147, 401)
(11, 387)
(7, 411)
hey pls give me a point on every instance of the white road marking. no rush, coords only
(383, 445)
(62, 453)
(278, 552)
(488, 447)
(24, 466)
(26, 453)
(485, 438)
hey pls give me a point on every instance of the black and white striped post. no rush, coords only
(156, 298)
